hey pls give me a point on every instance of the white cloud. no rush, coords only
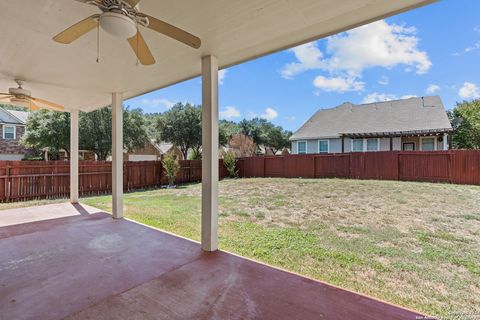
(469, 91)
(221, 76)
(309, 57)
(348, 54)
(377, 44)
(338, 84)
(477, 29)
(468, 49)
(157, 102)
(433, 88)
(381, 97)
(269, 114)
(290, 118)
(384, 81)
(378, 97)
(229, 113)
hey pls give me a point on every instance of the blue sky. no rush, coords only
(431, 50)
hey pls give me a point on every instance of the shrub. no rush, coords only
(171, 167)
(196, 154)
(230, 163)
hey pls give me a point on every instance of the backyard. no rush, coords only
(412, 244)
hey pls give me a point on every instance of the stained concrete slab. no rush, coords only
(95, 267)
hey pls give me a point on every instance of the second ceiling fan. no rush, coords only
(122, 19)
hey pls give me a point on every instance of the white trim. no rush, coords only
(445, 141)
(298, 146)
(14, 131)
(435, 142)
(328, 145)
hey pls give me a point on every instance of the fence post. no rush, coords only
(7, 183)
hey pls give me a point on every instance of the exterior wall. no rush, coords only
(417, 141)
(335, 145)
(294, 147)
(13, 146)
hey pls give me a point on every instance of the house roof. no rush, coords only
(406, 115)
(13, 116)
(233, 31)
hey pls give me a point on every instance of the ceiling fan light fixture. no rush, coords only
(118, 25)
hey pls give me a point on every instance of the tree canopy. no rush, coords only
(182, 126)
(48, 129)
(51, 129)
(467, 123)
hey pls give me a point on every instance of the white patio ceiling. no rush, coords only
(232, 30)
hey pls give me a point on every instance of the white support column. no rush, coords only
(445, 141)
(209, 153)
(117, 156)
(74, 179)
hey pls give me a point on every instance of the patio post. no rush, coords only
(74, 179)
(117, 155)
(445, 141)
(209, 153)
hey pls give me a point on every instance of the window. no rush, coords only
(357, 145)
(8, 132)
(428, 144)
(323, 146)
(372, 144)
(409, 146)
(302, 147)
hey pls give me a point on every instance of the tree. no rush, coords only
(96, 131)
(465, 118)
(182, 126)
(277, 139)
(48, 129)
(226, 129)
(51, 129)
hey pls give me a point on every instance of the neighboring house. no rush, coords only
(153, 151)
(408, 124)
(12, 129)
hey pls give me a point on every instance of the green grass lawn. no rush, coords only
(413, 244)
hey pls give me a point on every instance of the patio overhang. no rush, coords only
(232, 31)
(393, 134)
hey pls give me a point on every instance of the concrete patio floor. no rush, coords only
(76, 262)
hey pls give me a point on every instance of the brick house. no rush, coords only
(12, 129)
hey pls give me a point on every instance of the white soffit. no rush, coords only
(234, 31)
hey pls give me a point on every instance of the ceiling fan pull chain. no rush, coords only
(98, 42)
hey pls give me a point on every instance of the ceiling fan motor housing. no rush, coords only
(19, 92)
(118, 24)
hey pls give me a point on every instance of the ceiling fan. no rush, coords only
(22, 97)
(121, 18)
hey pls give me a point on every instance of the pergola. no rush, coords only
(232, 32)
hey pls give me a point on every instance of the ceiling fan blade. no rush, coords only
(133, 3)
(173, 32)
(32, 106)
(141, 49)
(47, 104)
(4, 96)
(77, 30)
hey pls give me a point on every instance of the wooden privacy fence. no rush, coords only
(453, 166)
(25, 180)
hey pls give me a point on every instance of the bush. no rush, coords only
(195, 155)
(171, 167)
(230, 163)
